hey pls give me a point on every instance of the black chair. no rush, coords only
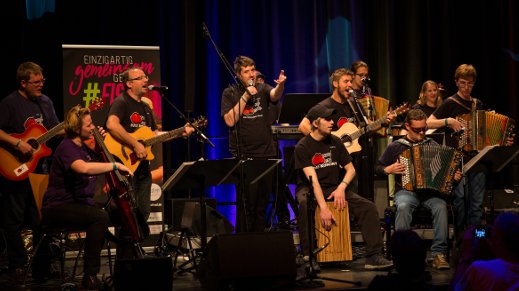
(39, 183)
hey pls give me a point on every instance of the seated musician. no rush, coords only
(69, 199)
(407, 201)
(323, 157)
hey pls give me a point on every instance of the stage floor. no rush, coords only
(350, 271)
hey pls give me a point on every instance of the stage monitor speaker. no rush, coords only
(148, 273)
(185, 214)
(248, 259)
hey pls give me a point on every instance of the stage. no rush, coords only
(350, 271)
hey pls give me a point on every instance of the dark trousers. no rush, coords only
(77, 216)
(18, 209)
(251, 204)
(363, 210)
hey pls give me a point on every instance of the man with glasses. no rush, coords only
(407, 201)
(21, 109)
(127, 114)
(444, 118)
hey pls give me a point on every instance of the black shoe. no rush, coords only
(91, 282)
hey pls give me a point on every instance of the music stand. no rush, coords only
(199, 174)
(494, 159)
(295, 106)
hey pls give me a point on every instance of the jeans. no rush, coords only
(468, 205)
(406, 202)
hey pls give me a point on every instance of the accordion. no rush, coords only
(484, 128)
(430, 167)
(379, 105)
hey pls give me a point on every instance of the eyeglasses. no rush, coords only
(465, 83)
(362, 75)
(139, 78)
(36, 83)
(418, 130)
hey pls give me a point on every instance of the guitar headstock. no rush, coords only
(200, 122)
(96, 104)
(401, 109)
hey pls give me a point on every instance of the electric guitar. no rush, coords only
(349, 133)
(148, 138)
(17, 166)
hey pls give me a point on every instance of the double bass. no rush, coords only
(121, 192)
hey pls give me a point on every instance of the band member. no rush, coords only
(69, 199)
(469, 211)
(321, 158)
(407, 201)
(346, 111)
(18, 111)
(127, 114)
(246, 114)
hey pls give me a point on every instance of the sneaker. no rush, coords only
(91, 282)
(377, 262)
(440, 263)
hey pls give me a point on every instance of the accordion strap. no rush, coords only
(473, 101)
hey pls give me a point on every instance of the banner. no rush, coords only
(92, 78)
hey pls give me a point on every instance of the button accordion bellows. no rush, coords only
(484, 128)
(430, 167)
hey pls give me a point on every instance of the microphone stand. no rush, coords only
(239, 154)
(183, 116)
(365, 156)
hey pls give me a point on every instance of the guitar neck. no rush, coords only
(164, 137)
(50, 134)
(376, 123)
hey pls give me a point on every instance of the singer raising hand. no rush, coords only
(245, 111)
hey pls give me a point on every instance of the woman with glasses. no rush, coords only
(25, 107)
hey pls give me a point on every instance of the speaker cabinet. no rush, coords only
(148, 273)
(248, 260)
(185, 214)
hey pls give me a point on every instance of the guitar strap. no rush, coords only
(473, 104)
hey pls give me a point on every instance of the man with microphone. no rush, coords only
(245, 111)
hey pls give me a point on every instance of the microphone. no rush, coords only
(365, 80)
(158, 88)
(250, 82)
(352, 93)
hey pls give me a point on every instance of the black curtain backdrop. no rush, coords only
(404, 42)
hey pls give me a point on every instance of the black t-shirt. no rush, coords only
(451, 108)
(17, 113)
(425, 108)
(343, 113)
(328, 157)
(131, 113)
(256, 140)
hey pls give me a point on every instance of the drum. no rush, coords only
(336, 243)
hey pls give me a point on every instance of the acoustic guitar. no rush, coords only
(16, 166)
(148, 138)
(349, 133)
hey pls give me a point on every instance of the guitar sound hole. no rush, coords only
(33, 143)
(346, 140)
